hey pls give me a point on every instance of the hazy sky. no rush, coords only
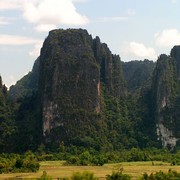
(134, 29)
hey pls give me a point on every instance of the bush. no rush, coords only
(30, 162)
(83, 176)
(45, 176)
(118, 176)
(171, 175)
(85, 158)
(73, 160)
(18, 163)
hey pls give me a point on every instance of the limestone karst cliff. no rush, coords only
(165, 88)
(73, 66)
(76, 95)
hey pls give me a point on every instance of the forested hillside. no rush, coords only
(138, 73)
(8, 127)
(80, 95)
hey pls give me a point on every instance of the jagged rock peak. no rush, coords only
(165, 88)
(3, 88)
(72, 67)
(75, 37)
(175, 54)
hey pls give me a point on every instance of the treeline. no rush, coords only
(82, 156)
(170, 175)
(27, 162)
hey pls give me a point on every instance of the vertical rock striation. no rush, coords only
(165, 92)
(72, 68)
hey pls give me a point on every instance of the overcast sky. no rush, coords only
(134, 29)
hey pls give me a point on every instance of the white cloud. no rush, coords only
(5, 20)
(36, 51)
(79, 0)
(129, 14)
(22, 40)
(46, 13)
(45, 27)
(12, 81)
(139, 50)
(167, 38)
(6, 39)
(10, 4)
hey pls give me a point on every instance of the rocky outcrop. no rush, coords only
(76, 95)
(72, 68)
(164, 89)
(175, 54)
(110, 68)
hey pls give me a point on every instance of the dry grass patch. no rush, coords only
(56, 169)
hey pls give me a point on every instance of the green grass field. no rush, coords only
(56, 169)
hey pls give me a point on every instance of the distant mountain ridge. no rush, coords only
(137, 73)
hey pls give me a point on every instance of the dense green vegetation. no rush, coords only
(82, 156)
(137, 73)
(18, 163)
(85, 106)
(27, 85)
(118, 176)
(83, 176)
(8, 126)
(165, 93)
(171, 175)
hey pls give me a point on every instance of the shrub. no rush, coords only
(73, 160)
(19, 163)
(45, 176)
(118, 176)
(171, 175)
(83, 176)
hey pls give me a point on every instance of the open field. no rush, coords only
(56, 169)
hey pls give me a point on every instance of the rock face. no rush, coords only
(76, 95)
(72, 68)
(175, 54)
(165, 86)
(110, 68)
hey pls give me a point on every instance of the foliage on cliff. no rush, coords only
(138, 73)
(75, 71)
(165, 88)
(76, 96)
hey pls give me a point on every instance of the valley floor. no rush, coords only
(56, 169)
